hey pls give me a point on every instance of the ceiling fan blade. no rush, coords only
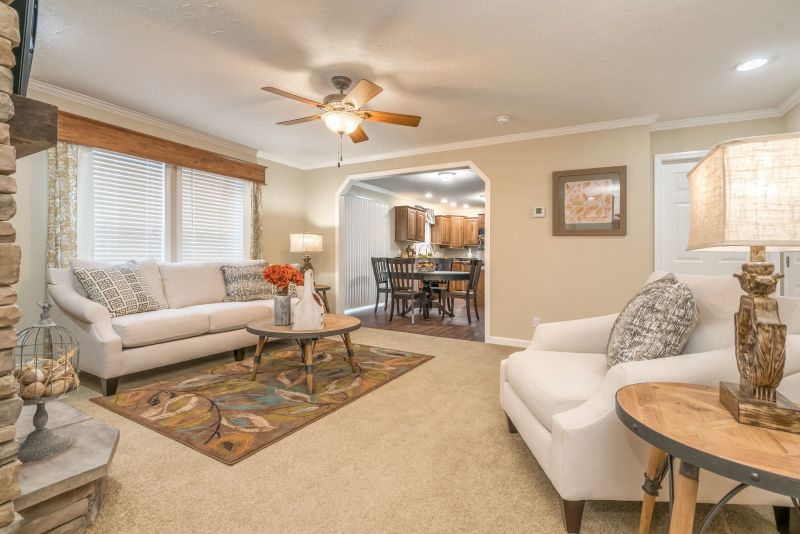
(280, 92)
(363, 92)
(299, 121)
(391, 118)
(359, 135)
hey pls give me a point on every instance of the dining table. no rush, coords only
(428, 277)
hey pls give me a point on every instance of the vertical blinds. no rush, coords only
(212, 219)
(366, 235)
(128, 196)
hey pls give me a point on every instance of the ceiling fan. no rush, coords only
(343, 113)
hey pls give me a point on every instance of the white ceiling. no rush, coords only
(465, 188)
(457, 63)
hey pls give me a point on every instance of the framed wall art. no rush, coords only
(589, 202)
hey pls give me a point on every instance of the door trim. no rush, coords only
(659, 162)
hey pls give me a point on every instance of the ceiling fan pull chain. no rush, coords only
(339, 163)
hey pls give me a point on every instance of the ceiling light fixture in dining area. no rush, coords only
(447, 176)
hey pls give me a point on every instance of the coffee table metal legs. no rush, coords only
(262, 340)
(307, 352)
(349, 345)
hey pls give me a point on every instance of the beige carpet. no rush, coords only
(428, 452)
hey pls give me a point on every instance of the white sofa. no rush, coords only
(559, 395)
(194, 321)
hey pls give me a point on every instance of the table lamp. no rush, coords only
(745, 195)
(305, 244)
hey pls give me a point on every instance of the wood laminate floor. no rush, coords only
(450, 327)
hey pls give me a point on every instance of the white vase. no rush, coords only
(309, 313)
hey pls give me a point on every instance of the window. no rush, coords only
(212, 220)
(131, 207)
(128, 201)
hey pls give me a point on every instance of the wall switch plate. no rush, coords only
(537, 212)
(536, 321)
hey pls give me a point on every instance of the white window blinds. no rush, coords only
(212, 225)
(128, 205)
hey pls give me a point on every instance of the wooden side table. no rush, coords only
(323, 290)
(335, 325)
(687, 422)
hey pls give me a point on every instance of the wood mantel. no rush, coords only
(89, 132)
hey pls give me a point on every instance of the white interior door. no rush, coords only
(672, 213)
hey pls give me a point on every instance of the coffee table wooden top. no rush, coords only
(688, 421)
(334, 325)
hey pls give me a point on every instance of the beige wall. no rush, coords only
(532, 272)
(283, 211)
(31, 225)
(792, 119)
(705, 137)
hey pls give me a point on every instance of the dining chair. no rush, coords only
(381, 272)
(401, 282)
(437, 288)
(470, 294)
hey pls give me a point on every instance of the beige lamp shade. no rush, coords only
(305, 243)
(746, 192)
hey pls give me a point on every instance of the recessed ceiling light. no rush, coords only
(444, 201)
(752, 64)
(447, 176)
(453, 204)
(465, 206)
(428, 195)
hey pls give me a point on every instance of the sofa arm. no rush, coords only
(78, 306)
(580, 335)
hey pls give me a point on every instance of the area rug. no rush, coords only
(220, 412)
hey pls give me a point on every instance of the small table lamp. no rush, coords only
(305, 244)
(745, 194)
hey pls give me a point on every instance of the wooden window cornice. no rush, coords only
(93, 133)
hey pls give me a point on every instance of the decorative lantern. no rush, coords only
(47, 369)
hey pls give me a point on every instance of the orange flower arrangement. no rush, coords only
(281, 275)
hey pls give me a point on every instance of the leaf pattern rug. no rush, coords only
(220, 412)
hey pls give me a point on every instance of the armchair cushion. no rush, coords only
(656, 323)
(549, 383)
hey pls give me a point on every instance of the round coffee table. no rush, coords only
(687, 421)
(334, 325)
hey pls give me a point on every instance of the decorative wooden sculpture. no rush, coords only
(744, 193)
(760, 352)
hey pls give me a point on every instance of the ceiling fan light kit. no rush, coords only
(342, 113)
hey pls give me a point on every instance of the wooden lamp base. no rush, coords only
(782, 414)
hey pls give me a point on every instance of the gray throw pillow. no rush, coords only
(656, 323)
(246, 282)
(121, 289)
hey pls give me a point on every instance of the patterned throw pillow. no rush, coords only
(656, 323)
(246, 282)
(121, 289)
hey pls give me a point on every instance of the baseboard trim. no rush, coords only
(509, 341)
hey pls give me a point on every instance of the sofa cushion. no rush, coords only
(160, 326)
(192, 283)
(549, 383)
(246, 282)
(656, 323)
(225, 316)
(121, 289)
(147, 266)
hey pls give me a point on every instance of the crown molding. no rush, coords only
(502, 139)
(261, 154)
(102, 105)
(791, 101)
(708, 120)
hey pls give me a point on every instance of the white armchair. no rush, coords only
(559, 395)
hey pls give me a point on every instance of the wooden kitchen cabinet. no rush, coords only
(409, 224)
(440, 231)
(471, 225)
(457, 231)
(482, 221)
